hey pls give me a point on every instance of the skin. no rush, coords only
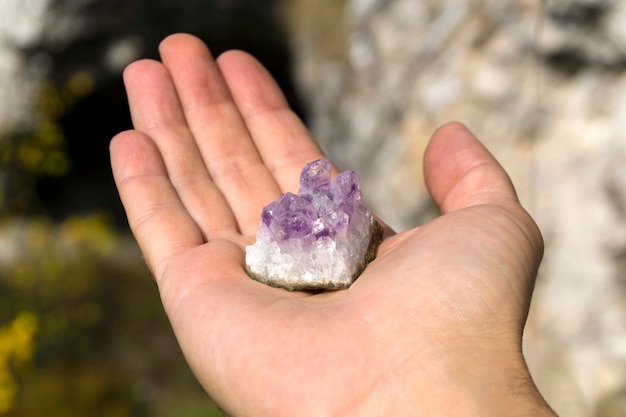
(432, 327)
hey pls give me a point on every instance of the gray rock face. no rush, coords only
(541, 83)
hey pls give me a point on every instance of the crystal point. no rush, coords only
(321, 238)
(315, 177)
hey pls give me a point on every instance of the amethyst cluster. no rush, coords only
(321, 238)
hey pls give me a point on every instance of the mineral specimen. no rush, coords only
(321, 238)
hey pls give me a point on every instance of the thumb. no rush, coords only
(460, 172)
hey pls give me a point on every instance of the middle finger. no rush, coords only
(219, 129)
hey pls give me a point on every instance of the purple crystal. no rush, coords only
(321, 229)
(315, 177)
(322, 208)
(332, 213)
(346, 186)
(321, 237)
(346, 191)
(267, 216)
(291, 217)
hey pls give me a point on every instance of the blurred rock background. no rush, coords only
(540, 82)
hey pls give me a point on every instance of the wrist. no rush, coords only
(499, 388)
(492, 380)
(474, 383)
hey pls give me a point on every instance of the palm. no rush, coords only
(213, 145)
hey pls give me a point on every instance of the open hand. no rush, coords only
(432, 327)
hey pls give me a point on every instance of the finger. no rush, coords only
(219, 130)
(284, 142)
(281, 138)
(155, 110)
(158, 219)
(460, 172)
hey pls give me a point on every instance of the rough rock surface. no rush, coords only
(542, 84)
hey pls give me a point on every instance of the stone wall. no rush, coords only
(542, 84)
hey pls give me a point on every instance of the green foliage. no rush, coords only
(34, 151)
(82, 331)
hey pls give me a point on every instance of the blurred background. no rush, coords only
(542, 83)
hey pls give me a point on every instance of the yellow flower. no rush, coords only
(17, 345)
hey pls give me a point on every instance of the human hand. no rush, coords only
(432, 327)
